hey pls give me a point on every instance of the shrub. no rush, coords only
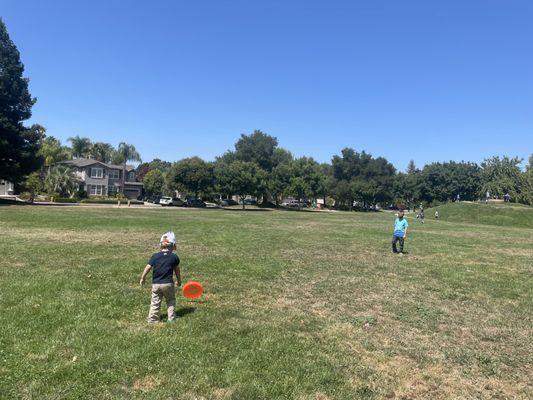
(65, 200)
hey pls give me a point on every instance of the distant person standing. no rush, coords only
(487, 197)
(436, 214)
(400, 232)
(458, 198)
(422, 215)
(507, 197)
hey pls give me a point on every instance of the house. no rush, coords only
(101, 179)
(6, 188)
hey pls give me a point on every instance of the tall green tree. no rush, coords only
(154, 182)
(360, 177)
(19, 145)
(144, 168)
(500, 176)
(102, 152)
(125, 153)
(240, 177)
(306, 180)
(81, 146)
(260, 148)
(52, 151)
(192, 175)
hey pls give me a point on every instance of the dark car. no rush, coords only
(248, 202)
(177, 202)
(195, 203)
(154, 199)
(228, 202)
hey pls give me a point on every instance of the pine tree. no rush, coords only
(18, 144)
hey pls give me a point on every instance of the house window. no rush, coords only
(114, 174)
(97, 172)
(97, 190)
(131, 176)
(112, 190)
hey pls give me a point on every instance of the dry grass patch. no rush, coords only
(147, 383)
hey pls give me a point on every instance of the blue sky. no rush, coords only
(422, 80)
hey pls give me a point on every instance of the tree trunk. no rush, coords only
(123, 176)
(242, 197)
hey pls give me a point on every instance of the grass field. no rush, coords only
(298, 305)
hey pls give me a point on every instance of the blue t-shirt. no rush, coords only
(163, 264)
(400, 225)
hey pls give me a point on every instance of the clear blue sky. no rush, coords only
(422, 80)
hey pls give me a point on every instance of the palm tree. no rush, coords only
(101, 151)
(81, 146)
(62, 180)
(126, 152)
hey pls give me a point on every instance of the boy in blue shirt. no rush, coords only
(164, 264)
(400, 232)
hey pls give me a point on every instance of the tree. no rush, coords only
(279, 178)
(61, 180)
(81, 146)
(101, 152)
(360, 177)
(18, 145)
(33, 184)
(52, 151)
(126, 152)
(241, 178)
(257, 147)
(144, 168)
(260, 149)
(500, 176)
(411, 167)
(193, 175)
(154, 181)
(306, 179)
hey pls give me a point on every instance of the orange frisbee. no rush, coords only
(192, 290)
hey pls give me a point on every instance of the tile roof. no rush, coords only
(84, 162)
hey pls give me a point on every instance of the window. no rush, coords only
(131, 176)
(97, 190)
(114, 174)
(97, 172)
(111, 190)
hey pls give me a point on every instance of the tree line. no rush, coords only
(256, 166)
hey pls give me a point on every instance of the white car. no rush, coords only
(165, 201)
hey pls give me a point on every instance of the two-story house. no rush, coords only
(101, 179)
(6, 188)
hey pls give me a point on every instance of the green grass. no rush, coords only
(504, 214)
(298, 305)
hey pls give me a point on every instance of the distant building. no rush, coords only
(101, 179)
(6, 188)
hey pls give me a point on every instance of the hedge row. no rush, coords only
(109, 201)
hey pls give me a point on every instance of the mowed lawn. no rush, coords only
(298, 305)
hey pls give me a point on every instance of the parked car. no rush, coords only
(177, 202)
(195, 203)
(228, 202)
(248, 202)
(166, 201)
(292, 204)
(154, 199)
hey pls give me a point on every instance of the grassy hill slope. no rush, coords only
(488, 214)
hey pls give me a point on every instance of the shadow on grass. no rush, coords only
(184, 311)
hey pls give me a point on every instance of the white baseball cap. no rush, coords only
(168, 237)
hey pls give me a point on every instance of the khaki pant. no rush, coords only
(160, 290)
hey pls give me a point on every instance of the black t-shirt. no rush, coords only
(163, 264)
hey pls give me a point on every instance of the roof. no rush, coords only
(84, 162)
